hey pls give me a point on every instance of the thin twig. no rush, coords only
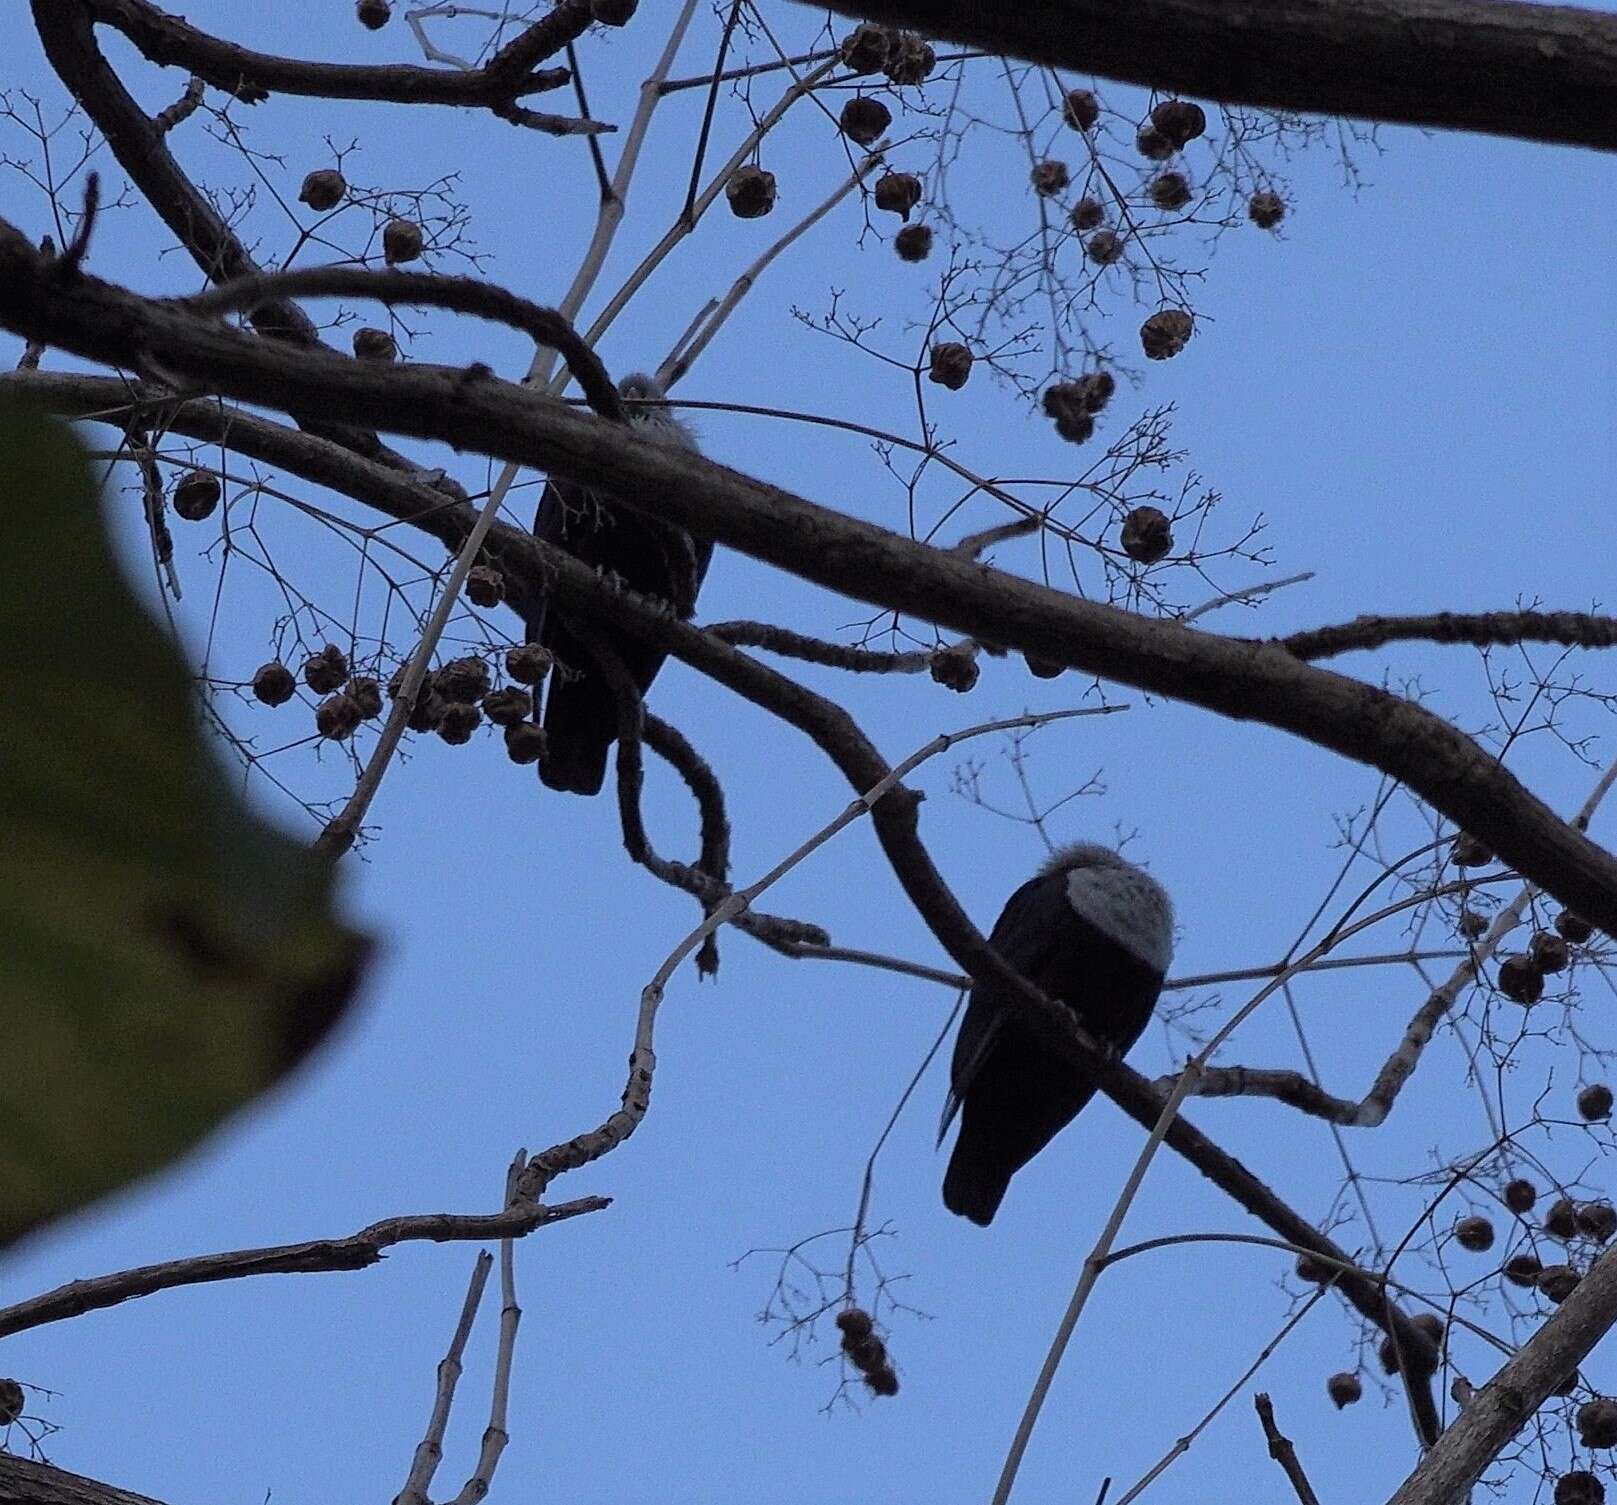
(429, 1451)
(1283, 1453)
(585, 1148)
(1183, 1444)
(317, 1256)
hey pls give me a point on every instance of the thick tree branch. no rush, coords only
(1504, 1405)
(171, 41)
(1541, 72)
(67, 32)
(1487, 629)
(24, 1482)
(1242, 679)
(531, 567)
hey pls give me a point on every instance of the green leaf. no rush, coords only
(165, 956)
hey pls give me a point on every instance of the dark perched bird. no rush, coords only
(1093, 931)
(649, 556)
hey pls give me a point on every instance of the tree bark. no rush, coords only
(1539, 72)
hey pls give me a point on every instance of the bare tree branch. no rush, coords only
(317, 1256)
(171, 41)
(1418, 62)
(1238, 678)
(1283, 1453)
(1507, 1402)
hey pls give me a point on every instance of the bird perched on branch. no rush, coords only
(650, 556)
(1093, 931)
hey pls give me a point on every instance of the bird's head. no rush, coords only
(1119, 899)
(645, 397)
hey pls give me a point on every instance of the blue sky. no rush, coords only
(1412, 385)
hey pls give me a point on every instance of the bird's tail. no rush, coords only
(581, 724)
(975, 1183)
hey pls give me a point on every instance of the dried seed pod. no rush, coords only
(459, 720)
(1549, 951)
(1467, 851)
(373, 14)
(323, 189)
(485, 586)
(524, 742)
(1474, 1233)
(507, 706)
(1520, 980)
(950, 365)
(375, 345)
(1471, 924)
(1067, 402)
(1087, 213)
(1180, 120)
(1080, 109)
(882, 1382)
(1266, 209)
(865, 48)
(1147, 535)
(1151, 144)
(1579, 1487)
(1344, 1388)
(337, 717)
(868, 1353)
(1561, 1221)
(1169, 190)
(1104, 247)
(1522, 1270)
(863, 119)
(196, 494)
(955, 667)
(898, 193)
(913, 242)
(1597, 1422)
(751, 192)
(427, 712)
(273, 683)
(910, 59)
(1597, 1220)
(613, 12)
(462, 679)
(1520, 1195)
(401, 241)
(366, 694)
(855, 1323)
(1095, 389)
(528, 663)
(12, 1401)
(1165, 333)
(1050, 177)
(326, 670)
(1594, 1102)
(1043, 668)
(1573, 927)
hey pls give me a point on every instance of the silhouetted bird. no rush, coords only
(650, 556)
(1093, 931)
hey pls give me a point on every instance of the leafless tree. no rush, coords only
(298, 440)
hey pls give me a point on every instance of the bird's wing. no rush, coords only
(1028, 928)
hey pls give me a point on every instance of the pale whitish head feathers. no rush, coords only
(1118, 899)
(655, 423)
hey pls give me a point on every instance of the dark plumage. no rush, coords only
(650, 557)
(1091, 930)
